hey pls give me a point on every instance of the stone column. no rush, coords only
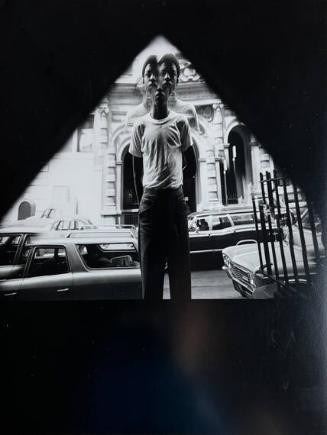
(255, 157)
(107, 155)
(218, 146)
(204, 184)
(118, 186)
(101, 131)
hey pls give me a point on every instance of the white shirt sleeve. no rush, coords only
(136, 141)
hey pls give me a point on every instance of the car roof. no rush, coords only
(20, 230)
(93, 233)
(117, 226)
(79, 241)
(71, 217)
(27, 224)
(222, 211)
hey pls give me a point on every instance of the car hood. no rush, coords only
(246, 256)
(249, 259)
(237, 250)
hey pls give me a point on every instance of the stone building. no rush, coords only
(92, 174)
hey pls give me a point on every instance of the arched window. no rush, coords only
(26, 209)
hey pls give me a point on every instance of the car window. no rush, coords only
(63, 225)
(57, 225)
(243, 219)
(109, 255)
(202, 223)
(8, 248)
(72, 224)
(51, 213)
(220, 222)
(79, 225)
(48, 260)
(191, 224)
(306, 221)
(45, 213)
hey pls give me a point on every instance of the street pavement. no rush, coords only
(208, 284)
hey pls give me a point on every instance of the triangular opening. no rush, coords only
(90, 181)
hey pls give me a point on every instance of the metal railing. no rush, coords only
(286, 263)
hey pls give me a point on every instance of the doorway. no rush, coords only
(236, 173)
(129, 199)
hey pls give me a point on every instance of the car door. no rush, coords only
(244, 227)
(116, 276)
(48, 275)
(11, 276)
(221, 234)
(199, 235)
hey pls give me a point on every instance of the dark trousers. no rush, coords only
(163, 238)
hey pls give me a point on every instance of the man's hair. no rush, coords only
(151, 60)
(171, 58)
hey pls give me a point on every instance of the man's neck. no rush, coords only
(159, 111)
(147, 101)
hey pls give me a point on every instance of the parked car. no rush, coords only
(12, 241)
(242, 263)
(72, 223)
(75, 269)
(212, 231)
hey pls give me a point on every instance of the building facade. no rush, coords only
(92, 174)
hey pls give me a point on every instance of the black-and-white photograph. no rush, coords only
(163, 217)
(162, 193)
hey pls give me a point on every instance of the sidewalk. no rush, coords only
(208, 284)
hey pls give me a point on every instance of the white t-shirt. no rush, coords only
(161, 143)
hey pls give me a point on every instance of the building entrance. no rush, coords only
(129, 199)
(235, 175)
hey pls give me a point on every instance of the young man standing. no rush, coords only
(160, 138)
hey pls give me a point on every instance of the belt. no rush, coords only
(159, 189)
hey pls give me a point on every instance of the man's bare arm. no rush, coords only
(138, 174)
(189, 163)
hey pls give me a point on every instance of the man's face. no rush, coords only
(150, 78)
(168, 76)
(167, 80)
